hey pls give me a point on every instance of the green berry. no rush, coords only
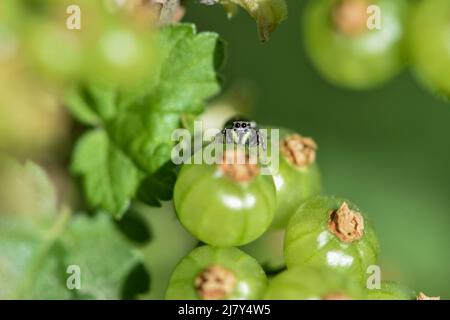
(313, 284)
(268, 250)
(333, 233)
(298, 177)
(210, 273)
(345, 50)
(428, 43)
(55, 51)
(225, 204)
(120, 56)
(391, 291)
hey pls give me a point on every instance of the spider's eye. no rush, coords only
(237, 125)
(244, 125)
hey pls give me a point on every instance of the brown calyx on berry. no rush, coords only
(346, 224)
(215, 283)
(299, 151)
(350, 17)
(423, 296)
(336, 296)
(239, 166)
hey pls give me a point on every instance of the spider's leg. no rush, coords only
(264, 144)
(253, 139)
(257, 136)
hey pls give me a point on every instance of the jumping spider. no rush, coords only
(242, 131)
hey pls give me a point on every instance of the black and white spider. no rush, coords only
(242, 131)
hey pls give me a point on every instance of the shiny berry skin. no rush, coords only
(333, 233)
(211, 273)
(225, 204)
(428, 44)
(298, 177)
(345, 51)
(391, 291)
(313, 284)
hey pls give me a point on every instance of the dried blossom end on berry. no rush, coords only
(350, 17)
(346, 224)
(215, 283)
(299, 151)
(423, 296)
(239, 166)
(336, 296)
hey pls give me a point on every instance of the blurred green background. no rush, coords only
(386, 149)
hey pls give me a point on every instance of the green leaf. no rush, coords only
(109, 177)
(38, 243)
(186, 79)
(267, 13)
(91, 105)
(102, 254)
(159, 186)
(26, 190)
(31, 265)
(34, 258)
(136, 140)
(29, 227)
(188, 74)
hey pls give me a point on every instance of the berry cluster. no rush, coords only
(361, 44)
(131, 75)
(328, 245)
